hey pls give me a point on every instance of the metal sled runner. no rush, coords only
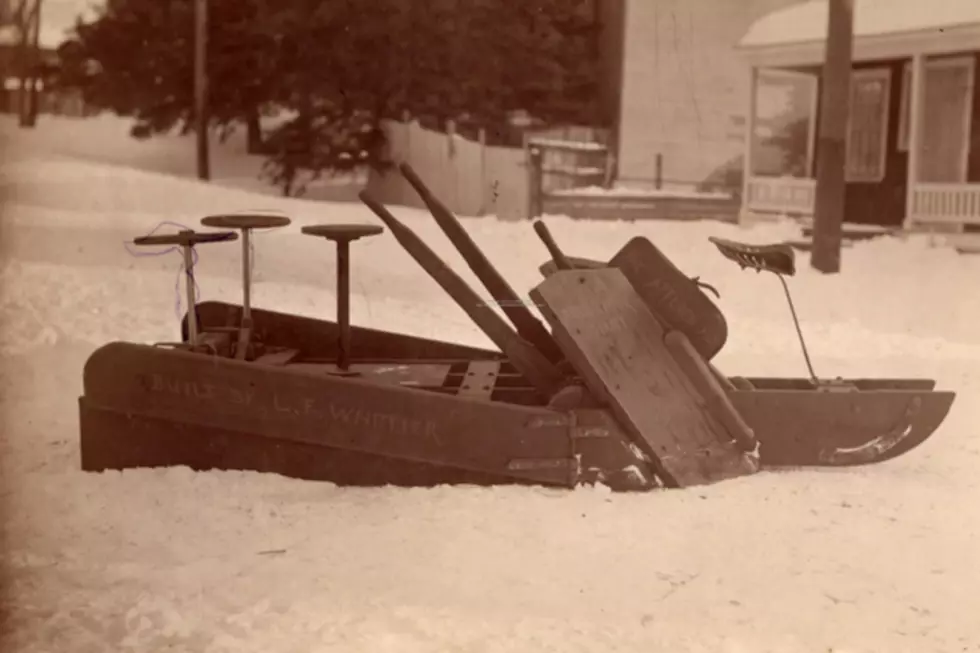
(616, 386)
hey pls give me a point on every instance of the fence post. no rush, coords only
(402, 189)
(481, 137)
(406, 126)
(450, 137)
(610, 176)
(452, 173)
(535, 191)
(658, 180)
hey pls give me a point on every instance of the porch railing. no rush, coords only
(946, 203)
(791, 195)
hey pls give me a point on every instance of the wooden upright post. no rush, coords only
(535, 160)
(832, 150)
(918, 73)
(201, 118)
(749, 136)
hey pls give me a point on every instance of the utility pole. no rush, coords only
(27, 19)
(832, 143)
(201, 88)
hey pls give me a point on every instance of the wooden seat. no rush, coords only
(343, 235)
(342, 232)
(246, 221)
(779, 258)
(186, 238)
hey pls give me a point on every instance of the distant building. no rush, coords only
(683, 88)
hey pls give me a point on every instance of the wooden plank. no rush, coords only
(617, 346)
(479, 380)
(281, 357)
(421, 375)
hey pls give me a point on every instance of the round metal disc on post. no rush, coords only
(343, 235)
(246, 222)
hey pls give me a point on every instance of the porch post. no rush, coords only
(916, 101)
(749, 139)
(811, 139)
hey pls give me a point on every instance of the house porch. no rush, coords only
(913, 137)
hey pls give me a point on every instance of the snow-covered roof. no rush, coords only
(909, 25)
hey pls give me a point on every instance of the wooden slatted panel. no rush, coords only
(616, 345)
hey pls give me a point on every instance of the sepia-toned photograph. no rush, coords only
(486, 326)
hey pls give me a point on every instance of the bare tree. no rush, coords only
(27, 20)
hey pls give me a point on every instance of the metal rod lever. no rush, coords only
(799, 331)
(245, 334)
(561, 261)
(192, 330)
(343, 305)
(246, 274)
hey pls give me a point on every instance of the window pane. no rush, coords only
(784, 111)
(866, 126)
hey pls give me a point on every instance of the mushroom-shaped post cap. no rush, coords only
(342, 232)
(186, 238)
(246, 221)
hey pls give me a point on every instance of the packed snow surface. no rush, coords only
(879, 558)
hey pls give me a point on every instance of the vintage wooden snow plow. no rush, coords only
(616, 386)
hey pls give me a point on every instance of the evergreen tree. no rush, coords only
(337, 69)
(137, 60)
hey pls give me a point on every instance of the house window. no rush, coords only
(965, 66)
(784, 127)
(867, 129)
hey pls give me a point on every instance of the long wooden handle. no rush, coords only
(711, 390)
(558, 256)
(544, 376)
(528, 326)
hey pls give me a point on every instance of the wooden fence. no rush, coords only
(470, 177)
(572, 165)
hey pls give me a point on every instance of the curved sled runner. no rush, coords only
(614, 386)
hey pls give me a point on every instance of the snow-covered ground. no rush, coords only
(883, 558)
(104, 139)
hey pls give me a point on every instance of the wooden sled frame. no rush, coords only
(613, 392)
